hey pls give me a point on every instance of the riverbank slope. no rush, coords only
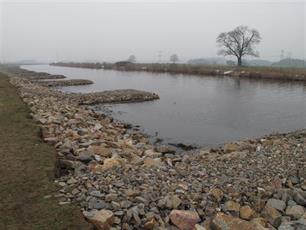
(27, 169)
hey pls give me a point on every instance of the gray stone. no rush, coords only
(295, 211)
(80, 169)
(125, 204)
(115, 205)
(62, 184)
(75, 191)
(86, 144)
(293, 225)
(170, 202)
(119, 213)
(272, 215)
(89, 213)
(97, 204)
(299, 198)
(141, 199)
(72, 181)
(294, 179)
(85, 157)
(111, 197)
(277, 204)
(165, 149)
(291, 203)
(286, 226)
(96, 193)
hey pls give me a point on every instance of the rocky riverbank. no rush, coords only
(120, 181)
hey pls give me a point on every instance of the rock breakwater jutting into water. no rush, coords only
(120, 181)
(70, 82)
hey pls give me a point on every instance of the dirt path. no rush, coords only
(26, 172)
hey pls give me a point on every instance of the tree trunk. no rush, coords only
(239, 61)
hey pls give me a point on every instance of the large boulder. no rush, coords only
(232, 207)
(246, 212)
(184, 220)
(293, 225)
(299, 197)
(151, 153)
(85, 157)
(170, 202)
(217, 194)
(273, 216)
(102, 220)
(165, 149)
(295, 211)
(110, 163)
(101, 151)
(277, 204)
(228, 148)
(152, 162)
(226, 222)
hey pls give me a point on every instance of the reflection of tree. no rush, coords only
(237, 83)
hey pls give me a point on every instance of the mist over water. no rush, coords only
(206, 111)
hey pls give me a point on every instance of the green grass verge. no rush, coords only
(26, 172)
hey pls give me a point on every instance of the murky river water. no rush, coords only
(205, 111)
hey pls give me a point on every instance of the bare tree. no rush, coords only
(174, 58)
(132, 59)
(239, 42)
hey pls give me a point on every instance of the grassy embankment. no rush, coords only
(26, 172)
(249, 72)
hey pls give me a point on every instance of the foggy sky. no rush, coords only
(105, 31)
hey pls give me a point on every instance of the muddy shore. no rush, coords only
(120, 181)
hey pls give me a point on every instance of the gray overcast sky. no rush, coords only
(106, 31)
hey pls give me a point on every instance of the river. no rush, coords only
(202, 111)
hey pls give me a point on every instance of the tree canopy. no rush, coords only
(239, 42)
(132, 59)
(174, 58)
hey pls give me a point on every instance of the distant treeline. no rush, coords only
(208, 70)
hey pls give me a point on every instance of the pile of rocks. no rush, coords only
(116, 96)
(71, 82)
(248, 185)
(15, 71)
(120, 181)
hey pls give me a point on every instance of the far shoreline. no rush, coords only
(269, 73)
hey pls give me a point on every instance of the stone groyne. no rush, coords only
(63, 83)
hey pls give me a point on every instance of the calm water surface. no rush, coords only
(205, 111)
